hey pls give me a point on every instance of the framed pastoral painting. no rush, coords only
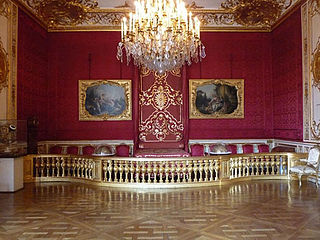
(105, 100)
(216, 98)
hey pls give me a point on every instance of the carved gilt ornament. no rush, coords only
(4, 67)
(315, 66)
(62, 12)
(5, 8)
(64, 15)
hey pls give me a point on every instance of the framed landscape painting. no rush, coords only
(216, 98)
(104, 100)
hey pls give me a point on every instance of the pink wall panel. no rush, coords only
(237, 55)
(32, 72)
(287, 79)
(50, 65)
(69, 55)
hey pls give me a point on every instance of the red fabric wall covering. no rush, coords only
(68, 63)
(32, 73)
(237, 55)
(287, 79)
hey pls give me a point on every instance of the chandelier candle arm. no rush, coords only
(161, 35)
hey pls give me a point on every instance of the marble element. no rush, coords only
(11, 174)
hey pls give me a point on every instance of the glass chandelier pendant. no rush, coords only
(161, 35)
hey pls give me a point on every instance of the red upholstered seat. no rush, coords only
(123, 150)
(197, 150)
(247, 148)
(55, 150)
(161, 153)
(263, 148)
(88, 150)
(232, 148)
(72, 150)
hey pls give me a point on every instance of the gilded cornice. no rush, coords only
(233, 15)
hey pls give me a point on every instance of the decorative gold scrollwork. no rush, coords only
(315, 66)
(62, 12)
(4, 8)
(256, 12)
(161, 122)
(4, 67)
(315, 129)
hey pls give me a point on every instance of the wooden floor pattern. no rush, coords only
(246, 210)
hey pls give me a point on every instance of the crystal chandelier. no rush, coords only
(161, 36)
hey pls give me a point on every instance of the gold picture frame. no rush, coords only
(105, 100)
(216, 98)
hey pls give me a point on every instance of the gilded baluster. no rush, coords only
(132, 171)
(166, 170)
(201, 170)
(206, 170)
(120, 171)
(85, 166)
(69, 166)
(216, 168)
(41, 167)
(276, 165)
(116, 170)
(126, 171)
(268, 163)
(74, 167)
(81, 168)
(184, 171)
(190, 170)
(53, 167)
(48, 166)
(62, 166)
(149, 171)
(178, 171)
(195, 170)
(58, 166)
(247, 163)
(161, 169)
(110, 169)
(210, 169)
(37, 166)
(241, 167)
(104, 169)
(231, 170)
(173, 170)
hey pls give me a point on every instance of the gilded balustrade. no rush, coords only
(148, 172)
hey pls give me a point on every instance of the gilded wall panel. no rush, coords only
(8, 59)
(311, 69)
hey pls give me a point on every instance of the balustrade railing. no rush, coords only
(117, 171)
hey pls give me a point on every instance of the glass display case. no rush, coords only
(13, 138)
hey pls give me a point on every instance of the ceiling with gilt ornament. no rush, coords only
(215, 15)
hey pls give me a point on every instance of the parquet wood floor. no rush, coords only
(245, 210)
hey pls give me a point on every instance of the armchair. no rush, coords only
(311, 166)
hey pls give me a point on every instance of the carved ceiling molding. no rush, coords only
(5, 8)
(79, 15)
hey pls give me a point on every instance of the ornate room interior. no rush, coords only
(159, 119)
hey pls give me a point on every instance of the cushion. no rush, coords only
(232, 148)
(72, 150)
(88, 150)
(197, 150)
(263, 148)
(55, 150)
(302, 170)
(161, 153)
(247, 148)
(162, 145)
(123, 150)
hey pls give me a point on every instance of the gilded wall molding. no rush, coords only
(5, 8)
(311, 70)
(4, 67)
(86, 15)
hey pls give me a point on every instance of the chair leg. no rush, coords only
(299, 180)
